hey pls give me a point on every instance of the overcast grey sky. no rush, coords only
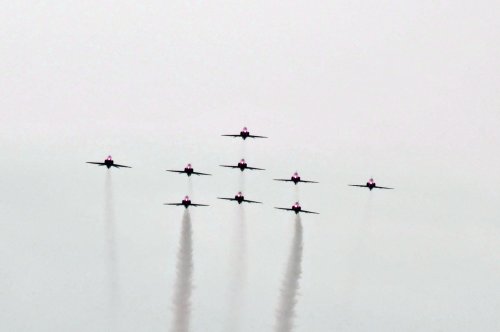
(405, 92)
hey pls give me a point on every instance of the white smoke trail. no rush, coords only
(190, 186)
(290, 286)
(297, 193)
(238, 265)
(242, 182)
(243, 149)
(183, 283)
(112, 263)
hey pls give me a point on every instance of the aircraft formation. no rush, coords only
(242, 166)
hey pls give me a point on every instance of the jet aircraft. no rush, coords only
(242, 165)
(296, 208)
(239, 198)
(187, 170)
(186, 202)
(295, 179)
(244, 133)
(370, 185)
(108, 162)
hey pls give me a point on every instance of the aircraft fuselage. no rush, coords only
(108, 163)
(188, 171)
(242, 166)
(295, 179)
(244, 134)
(186, 203)
(296, 208)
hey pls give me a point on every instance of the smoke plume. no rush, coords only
(190, 186)
(238, 265)
(183, 283)
(297, 193)
(242, 182)
(109, 218)
(290, 286)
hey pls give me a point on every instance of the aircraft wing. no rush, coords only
(176, 204)
(198, 173)
(95, 163)
(198, 204)
(255, 136)
(305, 211)
(118, 166)
(358, 185)
(383, 187)
(226, 198)
(232, 135)
(284, 209)
(249, 201)
(175, 171)
(307, 181)
(255, 168)
(230, 166)
(283, 180)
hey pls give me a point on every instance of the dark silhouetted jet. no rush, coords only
(239, 198)
(244, 133)
(295, 179)
(186, 202)
(108, 162)
(370, 185)
(296, 208)
(187, 170)
(242, 165)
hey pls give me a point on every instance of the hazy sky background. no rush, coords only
(405, 92)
